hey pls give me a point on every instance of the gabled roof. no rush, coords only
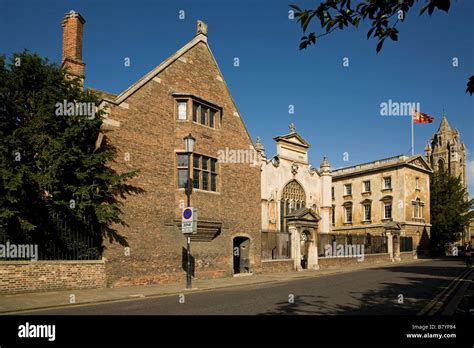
(200, 37)
(419, 161)
(293, 138)
(133, 88)
(304, 214)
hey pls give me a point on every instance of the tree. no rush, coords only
(49, 162)
(449, 209)
(385, 15)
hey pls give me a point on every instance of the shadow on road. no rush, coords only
(416, 285)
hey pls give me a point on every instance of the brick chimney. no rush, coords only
(73, 25)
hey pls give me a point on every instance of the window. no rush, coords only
(182, 110)
(418, 209)
(387, 182)
(204, 173)
(367, 212)
(332, 192)
(387, 210)
(293, 197)
(366, 186)
(195, 112)
(348, 211)
(348, 189)
(333, 215)
(417, 183)
(182, 170)
(205, 115)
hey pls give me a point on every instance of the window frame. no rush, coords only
(198, 184)
(385, 187)
(346, 193)
(364, 188)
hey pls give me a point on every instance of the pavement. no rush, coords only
(90, 300)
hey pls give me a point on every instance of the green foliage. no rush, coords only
(384, 16)
(49, 163)
(449, 209)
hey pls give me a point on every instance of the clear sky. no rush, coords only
(337, 108)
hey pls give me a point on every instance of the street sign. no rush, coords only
(189, 220)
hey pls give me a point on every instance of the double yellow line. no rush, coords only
(435, 304)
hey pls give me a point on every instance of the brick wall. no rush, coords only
(340, 262)
(28, 276)
(270, 266)
(150, 134)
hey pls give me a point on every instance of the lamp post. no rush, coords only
(189, 146)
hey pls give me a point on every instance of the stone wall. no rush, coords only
(273, 266)
(341, 262)
(29, 276)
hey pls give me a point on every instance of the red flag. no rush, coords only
(419, 117)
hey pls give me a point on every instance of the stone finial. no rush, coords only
(292, 127)
(258, 145)
(201, 28)
(325, 166)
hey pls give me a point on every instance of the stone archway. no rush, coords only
(303, 226)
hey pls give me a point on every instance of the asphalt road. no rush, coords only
(393, 290)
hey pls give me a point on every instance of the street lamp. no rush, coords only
(189, 146)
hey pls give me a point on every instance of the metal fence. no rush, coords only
(372, 244)
(275, 245)
(68, 238)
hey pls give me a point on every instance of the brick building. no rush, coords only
(185, 94)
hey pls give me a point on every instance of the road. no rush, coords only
(389, 290)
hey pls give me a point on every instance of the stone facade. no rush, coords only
(389, 197)
(446, 150)
(149, 121)
(295, 199)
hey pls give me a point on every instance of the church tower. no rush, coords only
(446, 151)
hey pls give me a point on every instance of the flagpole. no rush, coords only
(412, 138)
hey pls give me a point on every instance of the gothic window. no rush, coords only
(440, 165)
(292, 198)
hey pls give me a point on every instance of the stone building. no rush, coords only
(296, 204)
(388, 197)
(446, 151)
(185, 94)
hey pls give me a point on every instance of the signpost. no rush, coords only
(188, 227)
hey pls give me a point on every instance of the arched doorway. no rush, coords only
(304, 248)
(241, 255)
(293, 198)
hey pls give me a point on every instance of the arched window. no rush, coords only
(292, 198)
(440, 165)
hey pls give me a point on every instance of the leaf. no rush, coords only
(370, 32)
(295, 8)
(379, 45)
(470, 85)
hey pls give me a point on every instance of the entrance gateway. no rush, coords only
(303, 227)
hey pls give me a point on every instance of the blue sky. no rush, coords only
(337, 108)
